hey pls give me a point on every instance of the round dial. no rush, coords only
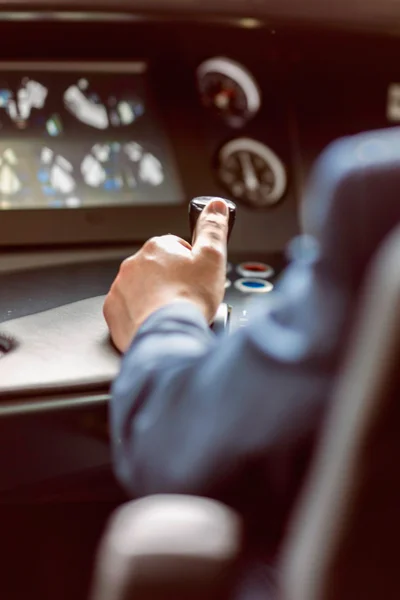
(252, 172)
(229, 90)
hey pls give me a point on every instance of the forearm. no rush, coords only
(190, 413)
(151, 386)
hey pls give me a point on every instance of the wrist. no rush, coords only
(179, 306)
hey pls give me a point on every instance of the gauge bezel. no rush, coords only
(240, 75)
(263, 151)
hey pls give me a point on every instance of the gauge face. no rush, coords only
(229, 90)
(252, 172)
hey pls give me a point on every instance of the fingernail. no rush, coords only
(219, 206)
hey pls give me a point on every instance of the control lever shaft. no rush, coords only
(198, 204)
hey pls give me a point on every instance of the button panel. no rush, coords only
(248, 285)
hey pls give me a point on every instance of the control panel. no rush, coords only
(110, 151)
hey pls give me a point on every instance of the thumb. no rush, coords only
(212, 227)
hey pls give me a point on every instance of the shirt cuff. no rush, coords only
(175, 316)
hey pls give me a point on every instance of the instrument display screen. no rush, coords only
(77, 135)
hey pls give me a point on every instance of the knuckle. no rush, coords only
(214, 228)
(215, 236)
(152, 244)
(215, 221)
(212, 251)
(126, 265)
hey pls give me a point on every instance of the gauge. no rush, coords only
(252, 172)
(229, 90)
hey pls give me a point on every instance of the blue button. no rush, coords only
(253, 284)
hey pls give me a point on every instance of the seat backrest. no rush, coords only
(344, 540)
(168, 547)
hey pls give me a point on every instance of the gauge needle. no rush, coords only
(250, 178)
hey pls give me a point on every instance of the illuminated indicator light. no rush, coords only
(254, 268)
(249, 269)
(253, 284)
(54, 126)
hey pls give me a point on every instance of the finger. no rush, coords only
(212, 227)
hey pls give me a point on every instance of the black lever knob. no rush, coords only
(198, 204)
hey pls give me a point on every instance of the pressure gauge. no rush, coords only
(229, 90)
(252, 172)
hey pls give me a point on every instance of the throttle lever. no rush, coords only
(196, 206)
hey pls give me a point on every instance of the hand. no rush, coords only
(168, 269)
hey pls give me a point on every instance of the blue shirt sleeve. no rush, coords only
(192, 413)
